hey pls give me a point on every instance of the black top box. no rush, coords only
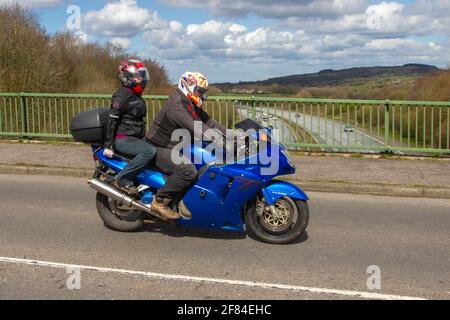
(90, 126)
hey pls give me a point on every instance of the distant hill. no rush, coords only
(331, 77)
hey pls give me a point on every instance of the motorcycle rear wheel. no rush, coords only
(289, 223)
(117, 219)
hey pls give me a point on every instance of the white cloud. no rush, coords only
(236, 28)
(398, 18)
(122, 19)
(345, 23)
(346, 33)
(175, 26)
(392, 44)
(123, 43)
(274, 9)
(389, 19)
(82, 36)
(225, 40)
(384, 16)
(32, 3)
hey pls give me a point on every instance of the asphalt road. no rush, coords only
(285, 134)
(54, 220)
(328, 131)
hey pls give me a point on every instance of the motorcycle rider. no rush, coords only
(126, 125)
(180, 111)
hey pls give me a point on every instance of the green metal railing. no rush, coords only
(319, 124)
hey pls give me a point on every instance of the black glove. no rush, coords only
(107, 144)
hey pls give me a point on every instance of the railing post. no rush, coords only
(253, 108)
(387, 105)
(24, 112)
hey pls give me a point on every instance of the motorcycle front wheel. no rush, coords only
(283, 224)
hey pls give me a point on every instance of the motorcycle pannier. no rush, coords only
(90, 126)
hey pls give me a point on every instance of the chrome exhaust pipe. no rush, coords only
(122, 198)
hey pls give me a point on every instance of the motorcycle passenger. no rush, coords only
(126, 125)
(180, 111)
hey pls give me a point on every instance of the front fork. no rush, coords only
(270, 202)
(267, 197)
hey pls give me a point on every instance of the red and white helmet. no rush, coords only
(194, 85)
(133, 74)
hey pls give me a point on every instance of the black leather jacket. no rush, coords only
(126, 116)
(179, 113)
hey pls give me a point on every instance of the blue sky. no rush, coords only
(257, 39)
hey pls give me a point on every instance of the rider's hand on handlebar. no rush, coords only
(108, 153)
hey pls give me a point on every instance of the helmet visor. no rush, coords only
(200, 91)
(145, 76)
(143, 72)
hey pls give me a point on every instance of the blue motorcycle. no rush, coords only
(236, 197)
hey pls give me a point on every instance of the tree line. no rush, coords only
(31, 60)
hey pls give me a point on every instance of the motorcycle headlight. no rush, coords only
(288, 157)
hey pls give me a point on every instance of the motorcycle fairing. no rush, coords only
(218, 197)
(278, 189)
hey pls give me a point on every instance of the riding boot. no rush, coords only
(161, 206)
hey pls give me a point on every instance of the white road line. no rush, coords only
(360, 294)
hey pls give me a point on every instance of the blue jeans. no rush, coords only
(143, 153)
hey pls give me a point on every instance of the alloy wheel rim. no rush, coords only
(281, 221)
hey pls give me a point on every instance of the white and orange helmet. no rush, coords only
(194, 85)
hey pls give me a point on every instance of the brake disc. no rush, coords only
(279, 219)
